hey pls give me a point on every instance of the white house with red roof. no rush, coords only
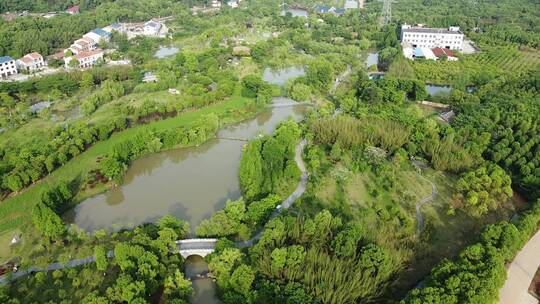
(83, 45)
(86, 59)
(31, 62)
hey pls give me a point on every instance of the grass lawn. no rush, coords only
(15, 212)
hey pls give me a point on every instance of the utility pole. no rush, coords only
(386, 12)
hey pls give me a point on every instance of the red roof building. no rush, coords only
(73, 10)
(442, 51)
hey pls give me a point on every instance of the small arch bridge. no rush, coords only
(200, 247)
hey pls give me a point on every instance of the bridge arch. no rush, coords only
(200, 247)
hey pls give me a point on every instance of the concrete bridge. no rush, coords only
(200, 247)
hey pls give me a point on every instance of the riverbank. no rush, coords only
(15, 212)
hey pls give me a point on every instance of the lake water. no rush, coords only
(189, 183)
(164, 51)
(372, 59)
(279, 77)
(204, 290)
(295, 12)
(434, 89)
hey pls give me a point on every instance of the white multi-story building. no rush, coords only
(83, 45)
(31, 62)
(152, 28)
(7, 67)
(423, 37)
(86, 59)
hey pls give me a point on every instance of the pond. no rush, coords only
(280, 77)
(295, 12)
(204, 289)
(189, 183)
(164, 51)
(434, 89)
(372, 59)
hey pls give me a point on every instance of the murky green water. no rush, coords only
(204, 289)
(190, 183)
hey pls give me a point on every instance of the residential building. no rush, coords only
(86, 59)
(84, 44)
(440, 53)
(7, 67)
(98, 35)
(324, 9)
(232, 3)
(31, 62)
(73, 10)
(152, 28)
(422, 37)
(215, 3)
(425, 53)
(118, 27)
(351, 4)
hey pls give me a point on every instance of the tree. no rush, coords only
(101, 258)
(242, 279)
(74, 63)
(177, 286)
(223, 264)
(251, 169)
(319, 75)
(46, 221)
(300, 92)
(483, 189)
(87, 81)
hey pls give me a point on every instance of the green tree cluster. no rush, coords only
(267, 165)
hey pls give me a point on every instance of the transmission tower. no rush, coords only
(386, 15)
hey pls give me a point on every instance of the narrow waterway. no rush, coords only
(204, 289)
(189, 183)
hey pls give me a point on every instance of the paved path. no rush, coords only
(287, 203)
(521, 273)
(54, 266)
(340, 78)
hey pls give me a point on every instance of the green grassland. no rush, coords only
(443, 235)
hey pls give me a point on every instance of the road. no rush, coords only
(521, 273)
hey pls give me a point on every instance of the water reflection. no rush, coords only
(372, 59)
(164, 51)
(279, 77)
(189, 183)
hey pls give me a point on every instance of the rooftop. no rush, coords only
(153, 24)
(86, 54)
(420, 29)
(73, 9)
(351, 4)
(101, 32)
(5, 59)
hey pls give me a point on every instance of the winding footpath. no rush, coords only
(287, 203)
(425, 200)
(422, 202)
(520, 274)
